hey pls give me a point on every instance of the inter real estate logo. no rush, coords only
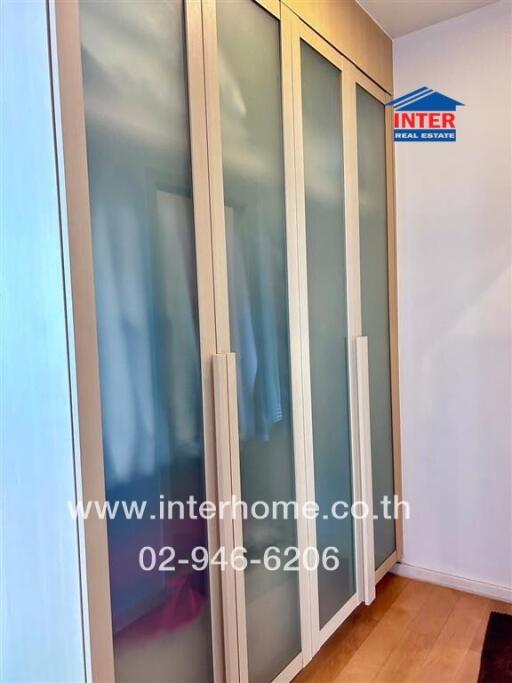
(424, 115)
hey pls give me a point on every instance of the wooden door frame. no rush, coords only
(71, 153)
(281, 13)
(302, 32)
(367, 84)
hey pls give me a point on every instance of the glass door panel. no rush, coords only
(328, 323)
(371, 150)
(255, 224)
(139, 162)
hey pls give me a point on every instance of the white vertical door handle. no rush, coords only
(230, 529)
(226, 537)
(238, 537)
(365, 445)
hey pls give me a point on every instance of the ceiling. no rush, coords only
(398, 17)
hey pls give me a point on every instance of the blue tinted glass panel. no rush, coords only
(140, 183)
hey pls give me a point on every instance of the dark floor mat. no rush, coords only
(496, 660)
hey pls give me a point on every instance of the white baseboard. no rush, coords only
(487, 590)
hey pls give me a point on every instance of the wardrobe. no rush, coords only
(226, 179)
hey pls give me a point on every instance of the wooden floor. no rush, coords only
(413, 632)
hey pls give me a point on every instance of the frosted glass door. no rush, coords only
(373, 236)
(139, 163)
(255, 228)
(326, 263)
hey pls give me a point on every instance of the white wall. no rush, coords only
(454, 222)
(41, 636)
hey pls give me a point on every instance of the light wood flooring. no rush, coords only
(413, 632)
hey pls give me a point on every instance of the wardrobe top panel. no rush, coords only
(345, 25)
